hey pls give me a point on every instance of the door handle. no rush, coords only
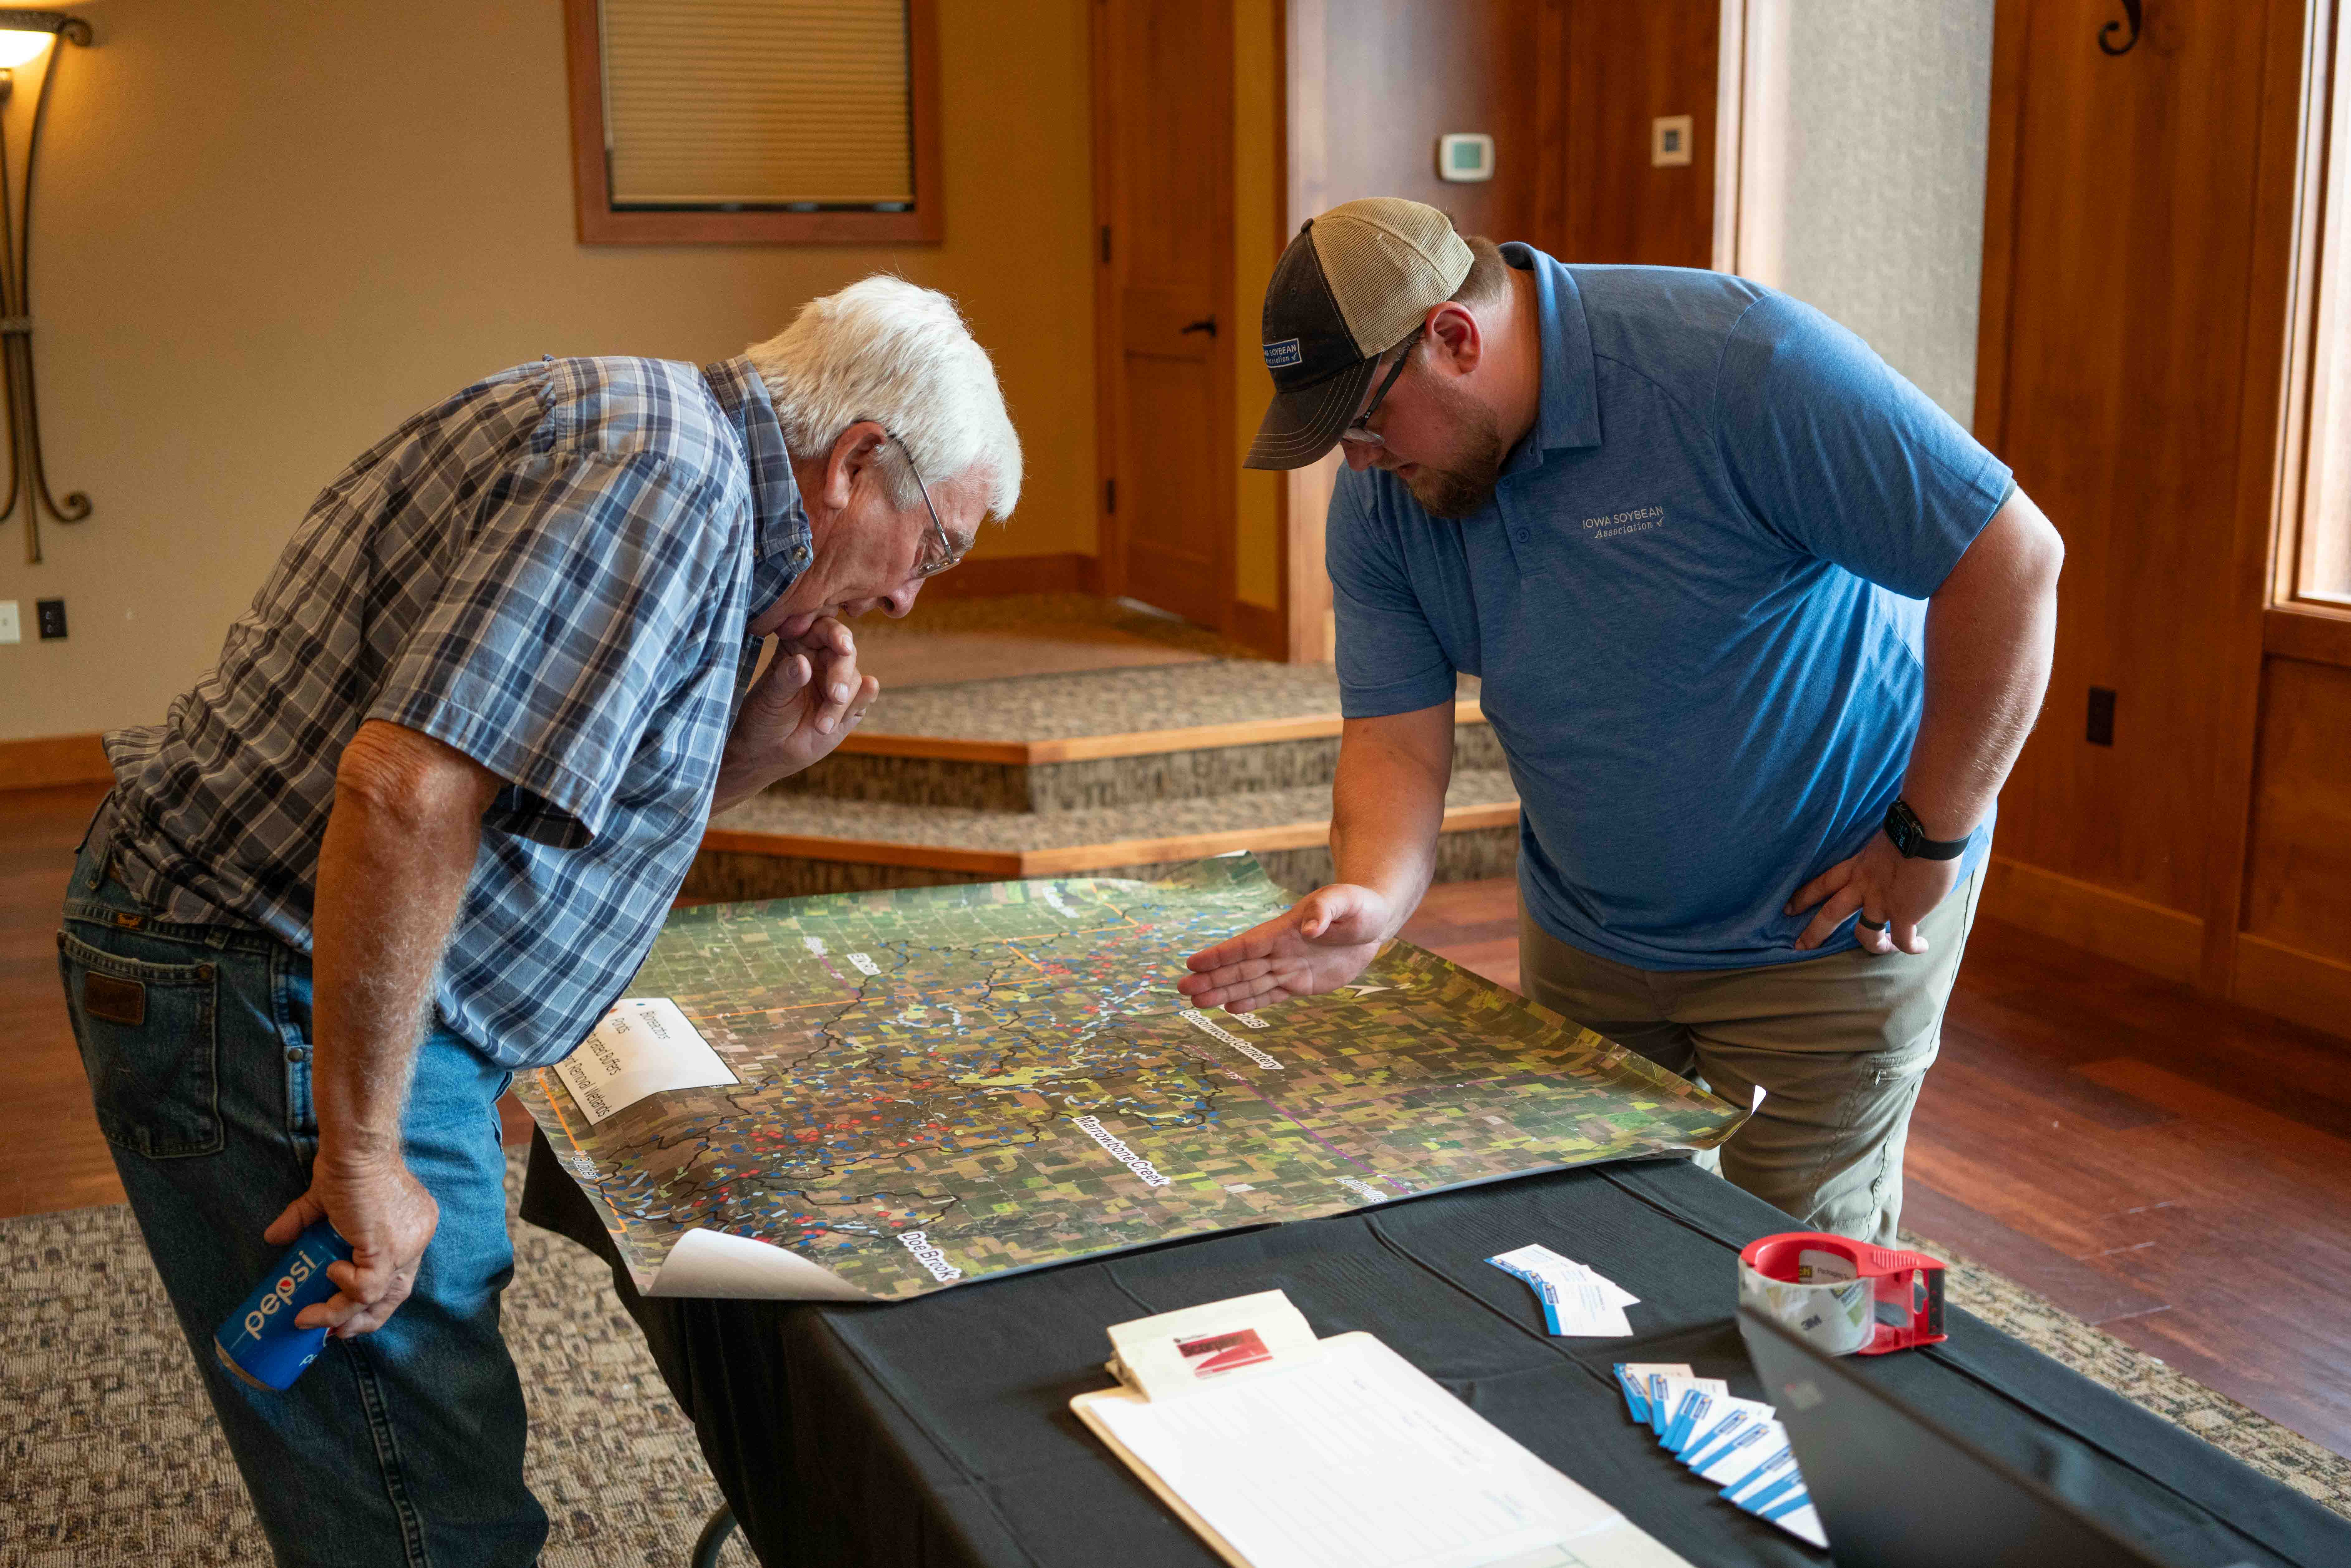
(1206, 324)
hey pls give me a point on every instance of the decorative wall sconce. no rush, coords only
(24, 35)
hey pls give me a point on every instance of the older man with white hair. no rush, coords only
(419, 825)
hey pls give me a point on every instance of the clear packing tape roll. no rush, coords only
(1842, 1296)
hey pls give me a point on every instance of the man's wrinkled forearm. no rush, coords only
(393, 872)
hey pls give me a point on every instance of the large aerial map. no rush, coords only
(940, 1084)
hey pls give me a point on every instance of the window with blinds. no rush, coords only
(748, 119)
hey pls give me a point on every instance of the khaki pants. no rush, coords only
(1838, 1045)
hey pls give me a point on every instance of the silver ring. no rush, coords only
(1866, 924)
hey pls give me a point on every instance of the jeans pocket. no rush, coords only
(148, 1034)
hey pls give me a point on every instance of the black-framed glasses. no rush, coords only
(947, 556)
(1358, 429)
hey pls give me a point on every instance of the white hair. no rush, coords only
(883, 348)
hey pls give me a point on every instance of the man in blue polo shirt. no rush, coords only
(1760, 631)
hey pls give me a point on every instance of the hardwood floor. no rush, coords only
(51, 1156)
(2175, 1170)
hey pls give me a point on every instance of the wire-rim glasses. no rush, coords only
(948, 556)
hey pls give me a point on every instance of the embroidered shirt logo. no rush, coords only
(1282, 355)
(1631, 522)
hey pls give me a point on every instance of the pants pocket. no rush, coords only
(148, 1034)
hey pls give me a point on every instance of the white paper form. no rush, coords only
(1359, 1461)
(643, 1046)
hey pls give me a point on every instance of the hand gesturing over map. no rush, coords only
(1318, 945)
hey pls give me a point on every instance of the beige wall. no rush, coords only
(269, 231)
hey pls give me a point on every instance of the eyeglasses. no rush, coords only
(945, 555)
(1359, 428)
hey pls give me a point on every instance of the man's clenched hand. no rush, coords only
(810, 698)
(1318, 945)
(387, 1217)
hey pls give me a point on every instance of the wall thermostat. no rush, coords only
(1669, 140)
(1463, 156)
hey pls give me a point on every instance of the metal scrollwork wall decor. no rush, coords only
(2106, 34)
(25, 35)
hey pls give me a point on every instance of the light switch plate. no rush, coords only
(1669, 140)
(12, 630)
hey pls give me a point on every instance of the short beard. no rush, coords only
(1464, 488)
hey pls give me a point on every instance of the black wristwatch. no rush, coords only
(1910, 839)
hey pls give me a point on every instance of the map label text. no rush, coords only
(1149, 1173)
(928, 1256)
(1199, 1021)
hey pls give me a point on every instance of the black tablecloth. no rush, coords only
(938, 1431)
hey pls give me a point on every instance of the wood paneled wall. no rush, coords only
(1566, 87)
(2143, 263)
(1624, 66)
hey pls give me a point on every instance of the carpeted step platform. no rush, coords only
(785, 846)
(1110, 737)
(1117, 772)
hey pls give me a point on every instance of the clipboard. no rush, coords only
(1085, 1407)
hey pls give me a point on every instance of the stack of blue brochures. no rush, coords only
(1738, 1444)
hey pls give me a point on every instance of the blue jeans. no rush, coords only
(403, 1447)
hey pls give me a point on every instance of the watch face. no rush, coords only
(1902, 827)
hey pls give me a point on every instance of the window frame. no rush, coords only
(599, 224)
(2319, 338)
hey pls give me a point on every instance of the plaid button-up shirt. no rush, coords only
(553, 572)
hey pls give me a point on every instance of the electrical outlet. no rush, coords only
(2101, 715)
(1669, 140)
(11, 629)
(50, 615)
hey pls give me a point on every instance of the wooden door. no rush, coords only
(1163, 140)
(1567, 88)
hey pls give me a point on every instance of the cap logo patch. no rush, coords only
(1282, 355)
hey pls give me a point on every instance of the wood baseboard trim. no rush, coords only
(2302, 987)
(1134, 743)
(51, 759)
(987, 577)
(2113, 924)
(1073, 859)
(2271, 978)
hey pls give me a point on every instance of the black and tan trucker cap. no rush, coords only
(1352, 285)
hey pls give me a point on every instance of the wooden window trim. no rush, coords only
(2320, 296)
(2306, 632)
(593, 196)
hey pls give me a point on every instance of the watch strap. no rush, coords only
(1909, 836)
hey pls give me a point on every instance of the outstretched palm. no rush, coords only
(1318, 945)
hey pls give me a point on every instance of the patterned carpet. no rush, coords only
(108, 1454)
(2282, 1454)
(952, 640)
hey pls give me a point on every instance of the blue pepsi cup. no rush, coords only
(259, 1342)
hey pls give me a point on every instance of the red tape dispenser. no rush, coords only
(1842, 1296)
